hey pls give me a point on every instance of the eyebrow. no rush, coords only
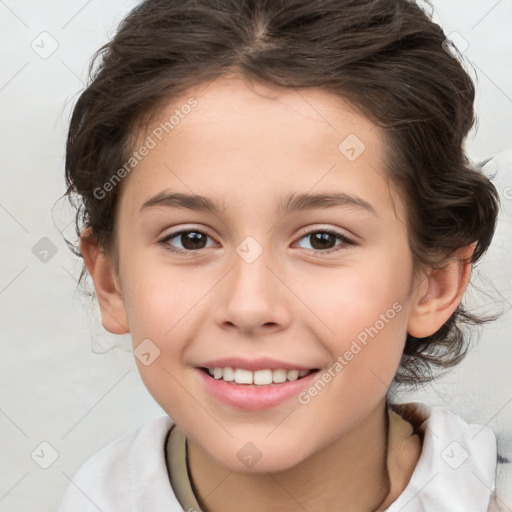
(291, 203)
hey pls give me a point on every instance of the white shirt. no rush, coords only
(456, 471)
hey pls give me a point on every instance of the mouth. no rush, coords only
(258, 390)
(258, 378)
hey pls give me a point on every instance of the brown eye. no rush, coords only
(191, 240)
(325, 241)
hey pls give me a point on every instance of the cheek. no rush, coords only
(160, 325)
(356, 298)
(364, 320)
(157, 316)
(161, 300)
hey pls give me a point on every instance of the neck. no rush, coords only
(351, 471)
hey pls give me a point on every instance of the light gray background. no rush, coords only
(60, 383)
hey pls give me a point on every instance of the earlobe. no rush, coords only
(445, 288)
(106, 283)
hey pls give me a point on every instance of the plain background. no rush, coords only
(70, 385)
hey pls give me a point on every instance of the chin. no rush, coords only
(251, 459)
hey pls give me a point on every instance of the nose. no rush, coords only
(253, 297)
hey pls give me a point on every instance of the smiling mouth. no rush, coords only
(267, 377)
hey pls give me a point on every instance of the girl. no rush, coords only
(315, 148)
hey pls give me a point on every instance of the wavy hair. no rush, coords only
(387, 58)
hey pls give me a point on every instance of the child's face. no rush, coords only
(292, 303)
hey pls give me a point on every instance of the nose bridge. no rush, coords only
(252, 279)
(252, 296)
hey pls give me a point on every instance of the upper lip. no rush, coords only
(262, 363)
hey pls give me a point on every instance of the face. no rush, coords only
(306, 283)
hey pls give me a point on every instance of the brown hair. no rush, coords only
(386, 57)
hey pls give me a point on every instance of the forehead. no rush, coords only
(230, 137)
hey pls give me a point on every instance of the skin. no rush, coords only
(247, 150)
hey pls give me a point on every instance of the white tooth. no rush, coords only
(279, 376)
(260, 377)
(263, 377)
(243, 376)
(229, 374)
(292, 374)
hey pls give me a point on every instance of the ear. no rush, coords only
(439, 296)
(106, 284)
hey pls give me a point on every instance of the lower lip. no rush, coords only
(255, 398)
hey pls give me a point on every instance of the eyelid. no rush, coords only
(323, 228)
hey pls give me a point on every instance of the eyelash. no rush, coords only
(346, 241)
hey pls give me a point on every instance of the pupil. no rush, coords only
(190, 239)
(322, 238)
